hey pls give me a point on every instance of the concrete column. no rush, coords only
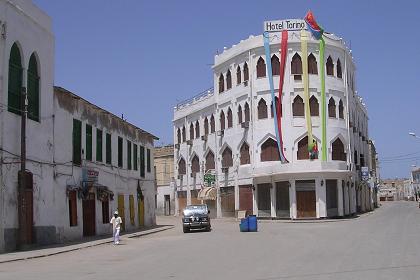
(321, 196)
(340, 194)
(255, 202)
(346, 200)
(189, 181)
(236, 196)
(292, 198)
(273, 200)
(218, 204)
(352, 193)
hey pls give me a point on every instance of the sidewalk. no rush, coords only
(59, 249)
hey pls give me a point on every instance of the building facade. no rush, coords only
(70, 188)
(164, 166)
(229, 132)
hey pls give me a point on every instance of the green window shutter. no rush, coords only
(98, 145)
(15, 81)
(120, 152)
(135, 157)
(77, 142)
(33, 89)
(129, 155)
(142, 165)
(149, 169)
(108, 149)
(88, 142)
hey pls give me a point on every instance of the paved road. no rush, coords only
(382, 245)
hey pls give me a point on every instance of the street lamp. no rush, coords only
(413, 134)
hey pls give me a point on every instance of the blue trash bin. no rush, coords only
(252, 223)
(244, 225)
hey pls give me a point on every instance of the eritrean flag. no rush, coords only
(313, 26)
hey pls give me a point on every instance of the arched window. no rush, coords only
(275, 64)
(312, 66)
(239, 114)
(212, 124)
(330, 66)
(229, 118)
(339, 73)
(331, 108)
(246, 72)
(298, 108)
(191, 131)
(303, 152)
(247, 115)
(206, 126)
(197, 129)
(15, 80)
(228, 80)
(179, 135)
(221, 83)
(296, 67)
(210, 164)
(270, 150)
(227, 159)
(245, 158)
(274, 108)
(195, 165)
(262, 109)
(222, 121)
(33, 89)
(340, 110)
(184, 134)
(338, 150)
(238, 75)
(182, 169)
(314, 105)
(261, 68)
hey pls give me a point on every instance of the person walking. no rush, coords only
(116, 222)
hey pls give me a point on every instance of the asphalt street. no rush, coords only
(381, 245)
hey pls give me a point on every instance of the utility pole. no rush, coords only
(21, 191)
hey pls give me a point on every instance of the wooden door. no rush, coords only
(121, 210)
(306, 204)
(264, 200)
(167, 205)
(131, 205)
(282, 200)
(245, 199)
(141, 212)
(89, 215)
(227, 197)
(182, 201)
(194, 195)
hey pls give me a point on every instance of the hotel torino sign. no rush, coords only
(286, 24)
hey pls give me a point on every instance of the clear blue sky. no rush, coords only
(140, 57)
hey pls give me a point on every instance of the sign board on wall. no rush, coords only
(90, 175)
(365, 172)
(286, 24)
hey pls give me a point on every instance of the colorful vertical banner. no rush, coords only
(270, 80)
(283, 57)
(304, 48)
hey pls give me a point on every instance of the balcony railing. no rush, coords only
(202, 95)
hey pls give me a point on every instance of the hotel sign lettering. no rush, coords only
(287, 24)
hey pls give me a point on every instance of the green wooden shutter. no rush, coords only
(129, 155)
(88, 142)
(98, 145)
(149, 169)
(77, 142)
(142, 165)
(15, 81)
(108, 149)
(33, 89)
(135, 157)
(120, 152)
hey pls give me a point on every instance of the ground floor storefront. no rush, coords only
(293, 198)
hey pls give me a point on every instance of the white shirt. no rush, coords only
(116, 223)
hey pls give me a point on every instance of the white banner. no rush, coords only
(286, 24)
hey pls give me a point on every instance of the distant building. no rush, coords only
(164, 165)
(415, 182)
(391, 189)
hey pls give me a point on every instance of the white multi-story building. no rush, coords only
(231, 130)
(75, 177)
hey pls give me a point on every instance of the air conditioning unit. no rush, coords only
(190, 142)
(204, 137)
(225, 169)
(245, 125)
(176, 146)
(245, 83)
(220, 133)
(180, 176)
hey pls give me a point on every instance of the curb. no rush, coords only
(90, 244)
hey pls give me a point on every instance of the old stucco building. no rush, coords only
(82, 162)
